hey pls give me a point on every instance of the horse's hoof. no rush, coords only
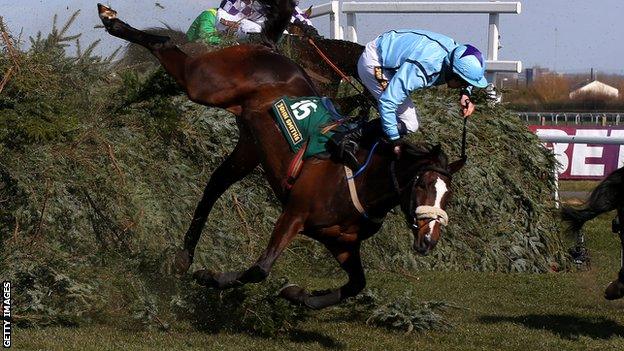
(206, 278)
(106, 12)
(182, 262)
(614, 291)
(293, 293)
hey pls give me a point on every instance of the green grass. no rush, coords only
(577, 185)
(557, 311)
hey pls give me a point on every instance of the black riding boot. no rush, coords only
(345, 145)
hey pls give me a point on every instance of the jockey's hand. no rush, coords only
(467, 107)
(396, 147)
(397, 151)
(230, 24)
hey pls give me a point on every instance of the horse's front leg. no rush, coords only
(615, 290)
(235, 167)
(348, 255)
(286, 228)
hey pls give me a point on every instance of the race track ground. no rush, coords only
(557, 311)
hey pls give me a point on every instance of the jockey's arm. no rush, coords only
(226, 20)
(407, 79)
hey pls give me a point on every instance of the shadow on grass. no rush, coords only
(307, 336)
(564, 325)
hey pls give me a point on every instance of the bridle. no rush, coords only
(422, 212)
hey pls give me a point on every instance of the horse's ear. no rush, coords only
(308, 12)
(457, 165)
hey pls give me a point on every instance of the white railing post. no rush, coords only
(332, 9)
(351, 34)
(493, 45)
(335, 31)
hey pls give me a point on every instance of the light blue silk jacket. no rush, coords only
(416, 57)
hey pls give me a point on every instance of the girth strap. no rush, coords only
(354, 197)
(295, 168)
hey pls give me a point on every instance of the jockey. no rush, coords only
(245, 16)
(399, 62)
(203, 28)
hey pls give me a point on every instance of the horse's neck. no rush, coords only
(378, 192)
(344, 54)
(385, 180)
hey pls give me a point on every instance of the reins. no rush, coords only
(463, 142)
(341, 74)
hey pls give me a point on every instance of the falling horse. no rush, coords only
(246, 80)
(607, 196)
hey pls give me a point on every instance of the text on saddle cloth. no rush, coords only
(306, 119)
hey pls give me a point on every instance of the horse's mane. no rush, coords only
(418, 151)
(278, 13)
(306, 29)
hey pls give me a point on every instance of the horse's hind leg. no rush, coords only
(348, 255)
(235, 167)
(615, 290)
(286, 228)
(170, 56)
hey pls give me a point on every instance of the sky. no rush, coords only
(563, 35)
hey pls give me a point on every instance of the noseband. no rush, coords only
(422, 212)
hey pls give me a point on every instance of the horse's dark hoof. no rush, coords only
(294, 294)
(182, 262)
(255, 274)
(614, 291)
(106, 13)
(206, 278)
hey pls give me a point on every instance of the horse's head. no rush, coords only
(302, 29)
(424, 191)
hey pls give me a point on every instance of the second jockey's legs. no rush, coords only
(246, 26)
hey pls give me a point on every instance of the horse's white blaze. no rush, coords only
(441, 189)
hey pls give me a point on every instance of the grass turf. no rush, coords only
(557, 311)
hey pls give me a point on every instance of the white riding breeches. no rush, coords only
(407, 116)
(245, 26)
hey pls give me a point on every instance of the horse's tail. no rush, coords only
(607, 196)
(278, 13)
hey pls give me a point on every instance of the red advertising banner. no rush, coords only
(584, 161)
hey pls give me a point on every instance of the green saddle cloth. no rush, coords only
(302, 119)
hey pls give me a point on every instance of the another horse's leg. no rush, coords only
(615, 290)
(348, 255)
(286, 228)
(235, 167)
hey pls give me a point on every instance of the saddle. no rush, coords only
(308, 124)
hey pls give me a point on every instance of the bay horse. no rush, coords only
(607, 196)
(246, 80)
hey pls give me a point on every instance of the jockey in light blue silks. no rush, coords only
(399, 62)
